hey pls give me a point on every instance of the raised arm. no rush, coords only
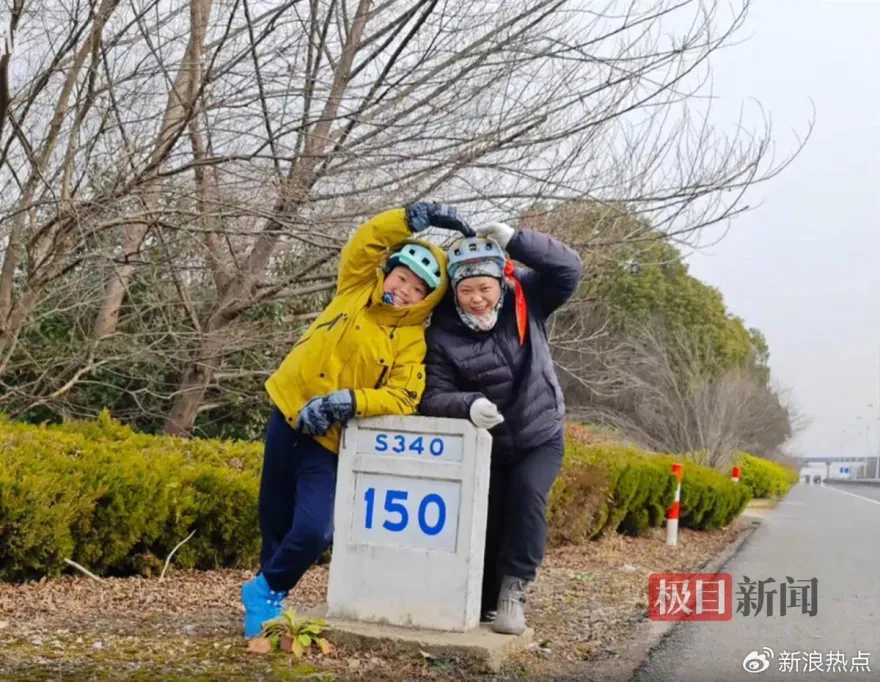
(442, 397)
(554, 269)
(363, 252)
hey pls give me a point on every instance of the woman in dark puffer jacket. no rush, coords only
(489, 361)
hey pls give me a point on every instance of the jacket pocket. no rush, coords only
(555, 391)
(415, 384)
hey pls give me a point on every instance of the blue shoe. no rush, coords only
(261, 604)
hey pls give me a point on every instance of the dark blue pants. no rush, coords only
(297, 491)
(516, 523)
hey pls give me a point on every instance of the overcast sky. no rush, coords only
(804, 267)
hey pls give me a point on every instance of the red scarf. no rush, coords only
(520, 297)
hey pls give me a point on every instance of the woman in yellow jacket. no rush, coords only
(362, 357)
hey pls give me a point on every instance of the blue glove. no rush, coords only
(319, 414)
(422, 215)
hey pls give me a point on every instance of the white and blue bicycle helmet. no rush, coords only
(421, 260)
(472, 250)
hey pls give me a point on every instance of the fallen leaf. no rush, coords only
(260, 645)
(354, 663)
(286, 643)
(599, 603)
(325, 646)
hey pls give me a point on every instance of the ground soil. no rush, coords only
(188, 626)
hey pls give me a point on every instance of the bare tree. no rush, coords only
(180, 109)
(582, 333)
(668, 399)
(217, 155)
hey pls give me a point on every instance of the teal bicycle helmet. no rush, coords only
(473, 249)
(421, 260)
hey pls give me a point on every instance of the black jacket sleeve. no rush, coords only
(442, 397)
(554, 269)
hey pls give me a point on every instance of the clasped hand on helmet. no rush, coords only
(500, 232)
(424, 214)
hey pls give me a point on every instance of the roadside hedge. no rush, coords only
(609, 487)
(118, 502)
(763, 477)
(709, 499)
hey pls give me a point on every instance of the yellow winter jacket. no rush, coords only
(359, 342)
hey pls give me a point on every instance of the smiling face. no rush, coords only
(478, 295)
(405, 286)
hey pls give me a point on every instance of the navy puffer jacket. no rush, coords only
(463, 364)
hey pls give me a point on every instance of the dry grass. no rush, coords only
(189, 626)
(587, 598)
(761, 505)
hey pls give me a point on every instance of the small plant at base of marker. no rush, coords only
(286, 633)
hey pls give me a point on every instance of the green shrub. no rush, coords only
(709, 499)
(763, 477)
(579, 500)
(605, 486)
(118, 502)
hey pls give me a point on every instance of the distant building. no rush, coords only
(839, 467)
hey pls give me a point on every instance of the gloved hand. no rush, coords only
(485, 414)
(423, 214)
(500, 232)
(319, 414)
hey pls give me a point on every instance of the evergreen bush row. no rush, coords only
(118, 502)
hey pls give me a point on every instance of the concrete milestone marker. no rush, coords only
(410, 528)
(410, 523)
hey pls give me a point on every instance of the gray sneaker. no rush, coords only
(511, 617)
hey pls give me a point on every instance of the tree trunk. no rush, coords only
(14, 313)
(195, 381)
(13, 324)
(7, 273)
(238, 293)
(180, 107)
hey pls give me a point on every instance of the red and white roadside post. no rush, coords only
(734, 475)
(672, 514)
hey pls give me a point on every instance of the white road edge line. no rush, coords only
(844, 492)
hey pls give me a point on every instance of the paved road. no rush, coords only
(865, 490)
(828, 532)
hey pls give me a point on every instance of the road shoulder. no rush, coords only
(647, 635)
